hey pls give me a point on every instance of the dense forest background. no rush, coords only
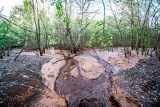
(77, 24)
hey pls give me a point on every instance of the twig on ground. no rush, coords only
(18, 54)
(64, 59)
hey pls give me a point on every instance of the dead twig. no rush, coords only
(18, 54)
(64, 59)
(1, 9)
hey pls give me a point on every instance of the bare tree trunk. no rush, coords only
(118, 28)
(1, 56)
(8, 50)
(3, 51)
(104, 15)
(158, 52)
(37, 25)
(132, 47)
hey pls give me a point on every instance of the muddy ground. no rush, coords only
(142, 84)
(20, 80)
(90, 79)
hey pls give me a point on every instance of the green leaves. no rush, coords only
(60, 13)
(106, 40)
(59, 8)
(25, 3)
(99, 23)
(26, 7)
(66, 21)
(102, 41)
(98, 39)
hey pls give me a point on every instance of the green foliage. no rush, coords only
(59, 8)
(60, 12)
(125, 27)
(9, 35)
(25, 3)
(100, 41)
(66, 21)
(99, 23)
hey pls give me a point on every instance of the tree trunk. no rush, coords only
(3, 51)
(37, 26)
(8, 47)
(1, 56)
(158, 52)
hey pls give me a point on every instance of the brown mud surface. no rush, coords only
(21, 80)
(81, 91)
(90, 79)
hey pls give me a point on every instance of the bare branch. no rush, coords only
(1, 9)
(15, 24)
(64, 59)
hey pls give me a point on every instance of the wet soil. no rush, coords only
(80, 92)
(87, 80)
(21, 80)
(140, 85)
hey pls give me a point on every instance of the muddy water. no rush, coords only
(82, 92)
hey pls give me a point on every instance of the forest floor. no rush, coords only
(89, 79)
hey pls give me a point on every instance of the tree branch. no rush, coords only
(1, 9)
(16, 24)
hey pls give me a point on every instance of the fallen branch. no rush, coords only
(64, 59)
(18, 54)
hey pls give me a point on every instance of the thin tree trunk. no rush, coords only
(158, 52)
(132, 46)
(118, 28)
(1, 56)
(3, 51)
(104, 15)
(37, 26)
(9, 41)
